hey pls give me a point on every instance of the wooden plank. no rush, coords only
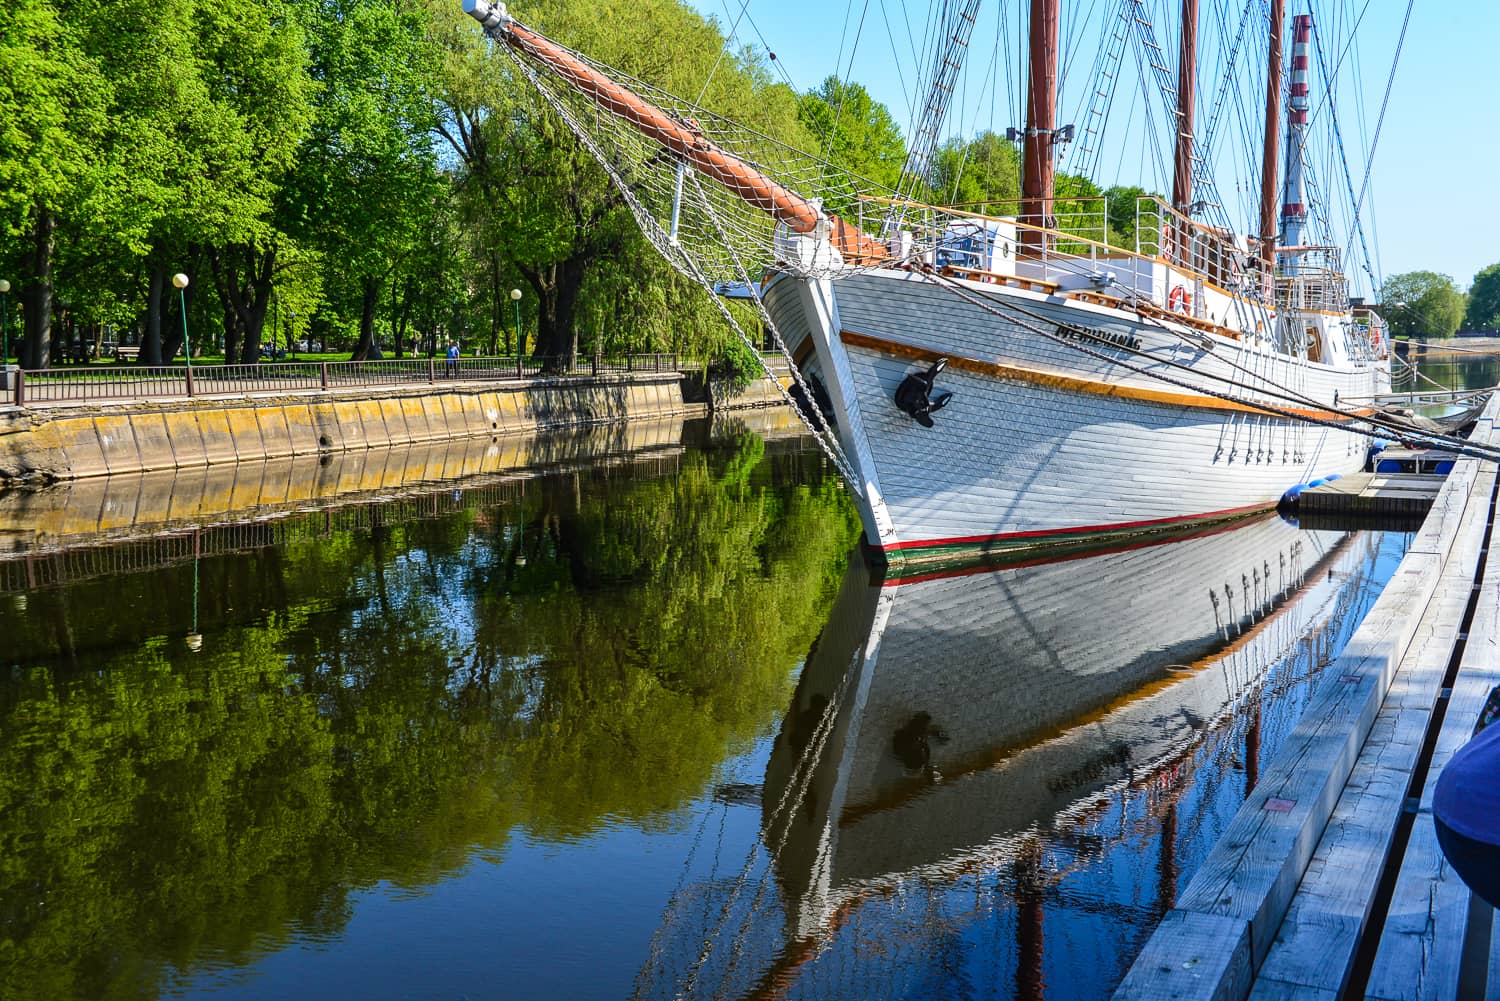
(1254, 868)
(1448, 507)
(1318, 938)
(1316, 944)
(1422, 943)
(1267, 989)
(1200, 956)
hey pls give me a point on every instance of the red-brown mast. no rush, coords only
(1272, 153)
(1187, 81)
(691, 145)
(1041, 123)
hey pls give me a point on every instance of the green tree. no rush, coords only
(54, 101)
(1422, 304)
(542, 207)
(366, 180)
(1483, 312)
(854, 132)
(1122, 202)
(982, 174)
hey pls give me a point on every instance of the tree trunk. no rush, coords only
(401, 310)
(497, 307)
(404, 320)
(62, 334)
(36, 297)
(233, 336)
(557, 338)
(396, 319)
(242, 277)
(255, 323)
(151, 341)
(367, 349)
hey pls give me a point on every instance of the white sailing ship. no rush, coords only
(992, 382)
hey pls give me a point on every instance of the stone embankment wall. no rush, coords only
(762, 392)
(75, 442)
(131, 506)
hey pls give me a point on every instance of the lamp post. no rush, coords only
(291, 335)
(515, 298)
(4, 328)
(181, 281)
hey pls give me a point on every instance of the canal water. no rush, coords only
(615, 716)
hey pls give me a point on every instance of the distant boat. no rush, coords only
(1009, 381)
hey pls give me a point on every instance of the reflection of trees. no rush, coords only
(1455, 366)
(378, 705)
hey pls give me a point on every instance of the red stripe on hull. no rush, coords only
(1123, 546)
(1124, 526)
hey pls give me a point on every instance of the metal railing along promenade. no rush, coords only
(132, 382)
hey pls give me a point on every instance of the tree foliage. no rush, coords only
(1422, 304)
(854, 132)
(1483, 311)
(375, 175)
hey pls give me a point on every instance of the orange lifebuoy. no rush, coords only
(1178, 300)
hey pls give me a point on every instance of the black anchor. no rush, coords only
(914, 395)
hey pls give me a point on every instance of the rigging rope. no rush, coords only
(1384, 104)
(1021, 317)
(686, 262)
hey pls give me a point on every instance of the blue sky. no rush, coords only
(1432, 204)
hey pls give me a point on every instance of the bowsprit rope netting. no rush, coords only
(714, 234)
(732, 230)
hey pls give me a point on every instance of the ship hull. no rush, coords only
(1148, 427)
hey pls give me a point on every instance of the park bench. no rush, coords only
(128, 352)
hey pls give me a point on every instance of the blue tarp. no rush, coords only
(1466, 809)
(1467, 797)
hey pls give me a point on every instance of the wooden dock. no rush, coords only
(1373, 494)
(1328, 883)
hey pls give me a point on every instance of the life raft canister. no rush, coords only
(1179, 300)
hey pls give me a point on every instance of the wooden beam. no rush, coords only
(1418, 957)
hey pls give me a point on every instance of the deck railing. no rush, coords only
(129, 381)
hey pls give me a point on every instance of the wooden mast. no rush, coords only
(1271, 153)
(1187, 80)
(1041, 124)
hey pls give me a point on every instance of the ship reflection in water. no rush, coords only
(992, 783)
